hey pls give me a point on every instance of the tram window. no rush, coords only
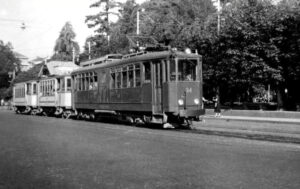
(28, 89)
(58, 87)
(91, 81)
(80, 82)
(50, 88)
(76, 83)
(41, 87)
(112, 80)
(34, 88)
(83, 82)
(172, 70)
(46, 88)
(118, 78)
(130, 78)
(137, 75)
(69, 84)
(187, 68)
(95, 81)
(147, 69)
(124, 77)
(62, 84)
(102, 77)
(86, 81)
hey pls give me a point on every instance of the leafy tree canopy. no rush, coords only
(8, 63)
(258, 43)
(65, 44)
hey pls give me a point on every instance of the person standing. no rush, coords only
(217, 108)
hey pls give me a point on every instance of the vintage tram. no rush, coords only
(162, 87)
(152, 87)
(25, 96)
(48, 92)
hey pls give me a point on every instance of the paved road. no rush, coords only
(42, 152)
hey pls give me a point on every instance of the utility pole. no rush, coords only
(219, 18)
(107, 17)
(137, 25)
(138, 22)
(89, 43)
(73, 53)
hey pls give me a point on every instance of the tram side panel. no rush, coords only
(64, 92)
(110, 93)
(31, 94)
(20, 100)
(47, 98)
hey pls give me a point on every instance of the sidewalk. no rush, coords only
(257, 128)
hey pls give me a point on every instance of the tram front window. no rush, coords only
(187, 70)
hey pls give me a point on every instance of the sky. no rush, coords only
(44, 20)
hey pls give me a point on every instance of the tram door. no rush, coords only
(157, 74)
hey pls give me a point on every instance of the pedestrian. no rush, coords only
(2, 102)
(201, 118)
(217, 108)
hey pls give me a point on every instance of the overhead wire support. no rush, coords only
(23, 25)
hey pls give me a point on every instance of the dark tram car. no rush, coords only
(156, 87)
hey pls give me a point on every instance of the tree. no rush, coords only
(100, 21)
(8, 63)
(175, 22)
(257, 45)
(65, 44)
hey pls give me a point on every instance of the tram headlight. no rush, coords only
(196, 101)
(180, 102)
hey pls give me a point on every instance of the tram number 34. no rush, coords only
(188, 90)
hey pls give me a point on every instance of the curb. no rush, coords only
(253, 135)
(256, 119)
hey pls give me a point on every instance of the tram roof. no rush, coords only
(139, 58)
